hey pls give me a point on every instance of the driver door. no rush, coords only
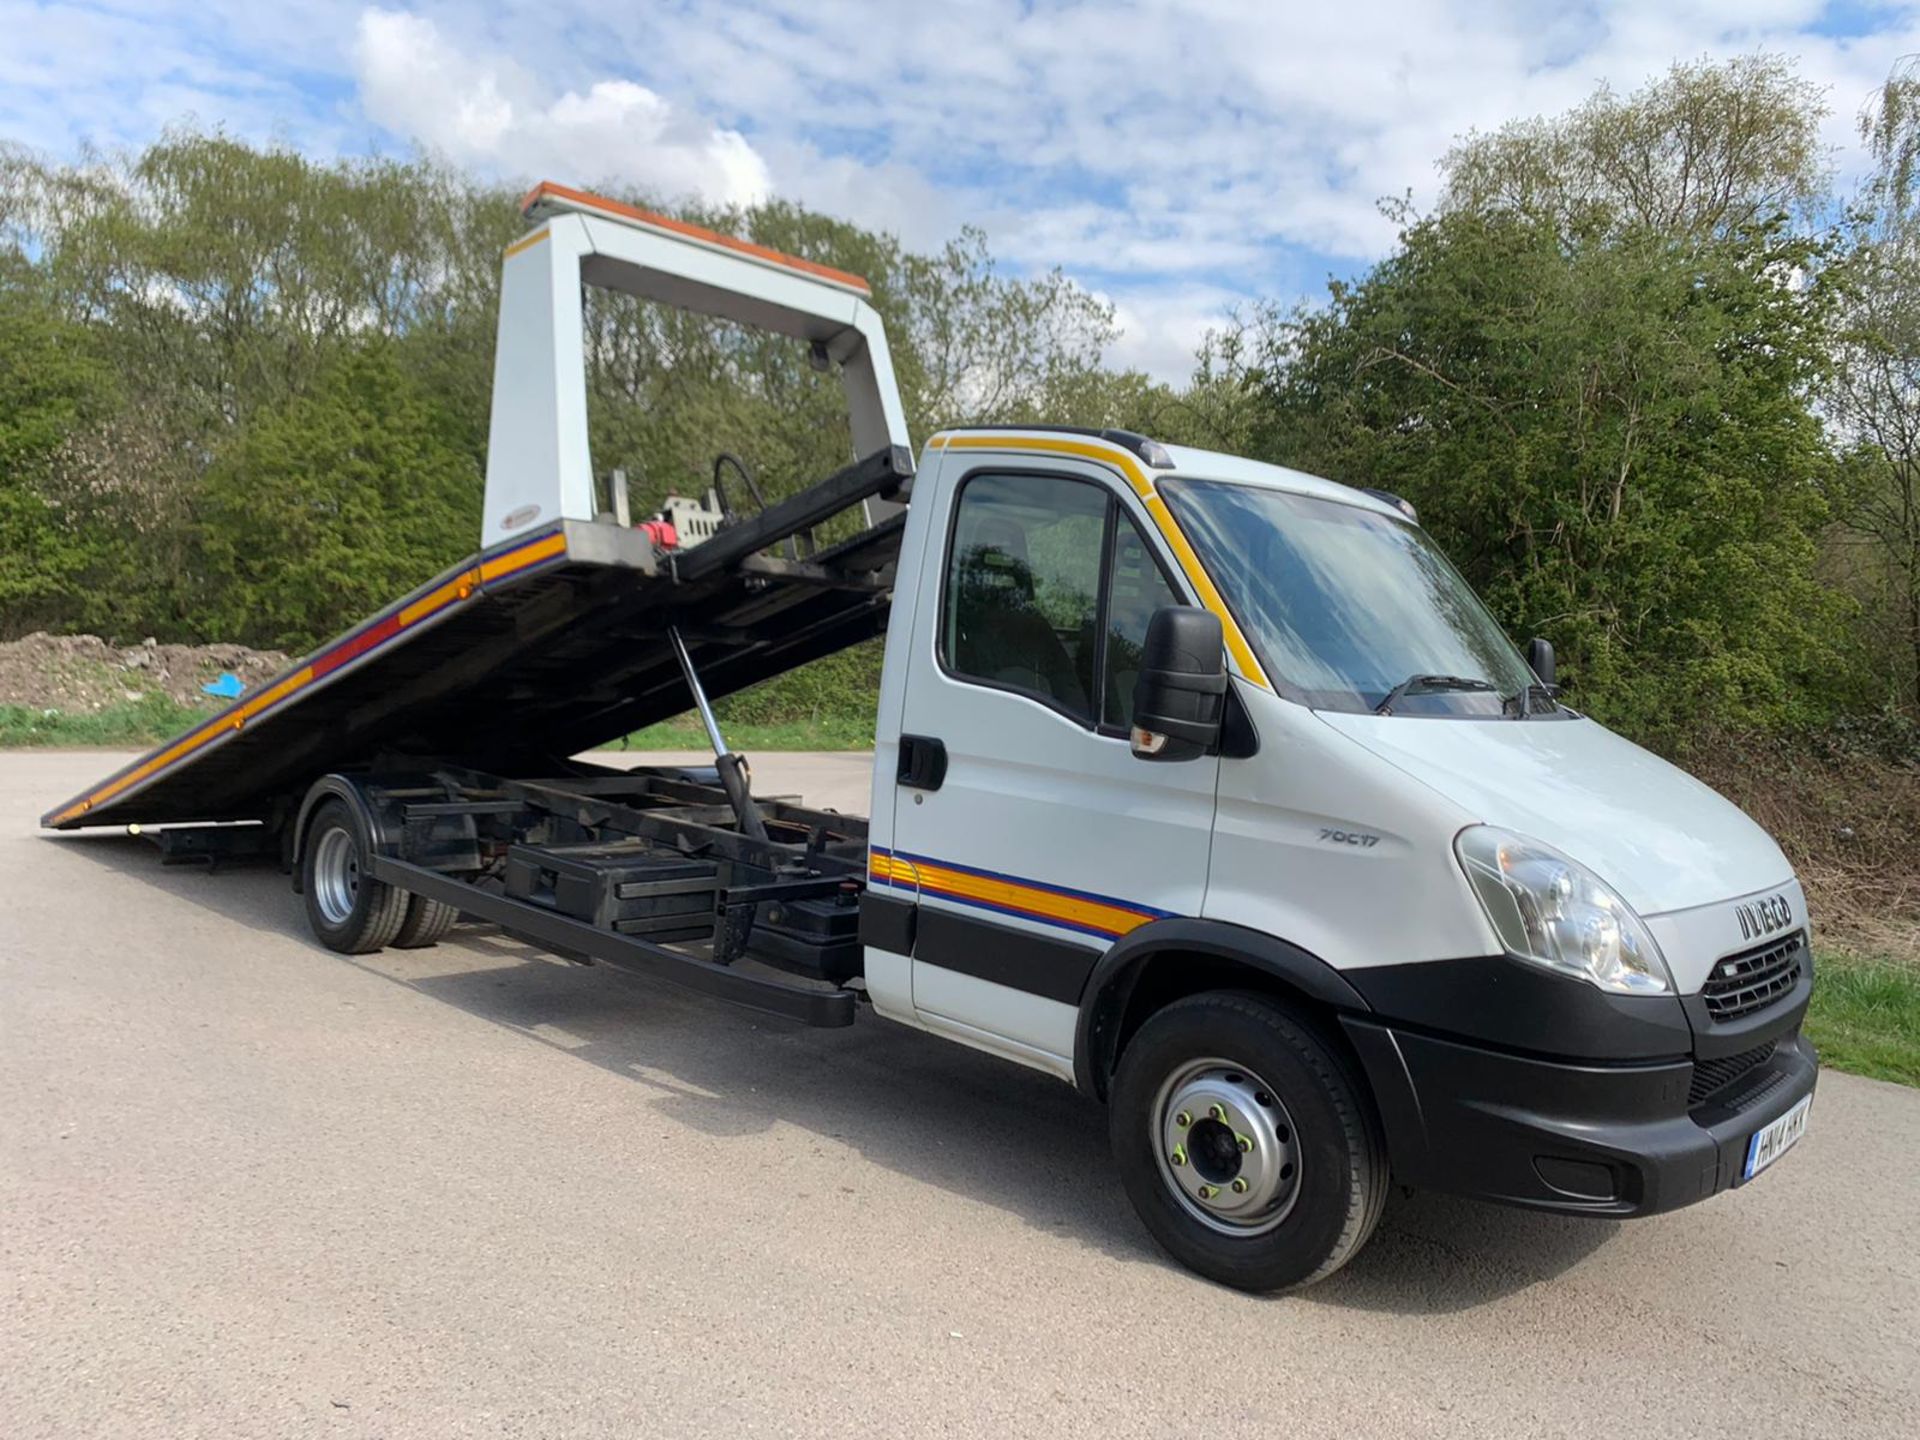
(1045, 840)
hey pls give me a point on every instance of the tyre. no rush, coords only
(426, 923)
(349, 910)
(1246, 1142)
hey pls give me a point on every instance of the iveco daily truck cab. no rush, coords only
(1204, 785)
(1209, 786)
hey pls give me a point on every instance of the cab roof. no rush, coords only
(1188, 462)
(1192, 464)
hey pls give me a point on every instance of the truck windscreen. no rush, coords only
(1342, 603)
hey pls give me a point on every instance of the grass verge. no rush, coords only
(142, 722)
(1865, 1017)
(686, 734)
(154, 718)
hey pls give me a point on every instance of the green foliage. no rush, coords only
(304, 356)
(1890, 124)
(1709, 148)
(51, 382)
(1873, 394)
(836, 690)
(1865, 1017)
(247, 302)
(333, 503)
(224, 276)
(848, 731)
(1597, 372)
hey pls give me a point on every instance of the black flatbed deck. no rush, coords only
(527, 653)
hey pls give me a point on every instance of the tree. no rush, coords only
(332, 504)
(221, 283)
(1874, 397)
(1707, 149)
(51, 382)
(234, 291)
(229, 275)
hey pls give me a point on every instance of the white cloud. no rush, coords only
(881, 195)
(1173, 141)
(1161, 328)
(485, 110)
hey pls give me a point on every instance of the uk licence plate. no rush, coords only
(1772, 1141)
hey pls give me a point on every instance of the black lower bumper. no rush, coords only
(1574, 1136)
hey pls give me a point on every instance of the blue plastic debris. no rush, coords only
(228, 687)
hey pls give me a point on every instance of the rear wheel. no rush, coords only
(349, 910)
(426, 923)
(1246, 1143)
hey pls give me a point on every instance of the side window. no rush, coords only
(1023, 587)
(1049, 588)
(1135, 589)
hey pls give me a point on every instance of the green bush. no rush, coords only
(332, 504)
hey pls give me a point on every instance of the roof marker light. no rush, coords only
(1155, 454)
(1405, 507)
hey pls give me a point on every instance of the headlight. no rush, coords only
(1555, 912)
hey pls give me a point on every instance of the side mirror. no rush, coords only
(1540, 660)
(1181, 694)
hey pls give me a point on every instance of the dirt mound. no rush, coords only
(82, 673)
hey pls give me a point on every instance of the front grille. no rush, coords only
(1710, 1077)
(1754, 979)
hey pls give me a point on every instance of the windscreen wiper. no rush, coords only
(1416, 683)
(1521, 701)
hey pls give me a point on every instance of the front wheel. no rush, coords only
(1246, 1143)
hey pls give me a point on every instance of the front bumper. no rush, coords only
(1582, 1137)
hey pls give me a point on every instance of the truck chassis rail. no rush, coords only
(646, 870)
(810, 1005)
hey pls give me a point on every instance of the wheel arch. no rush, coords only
(349, 791)
(1166, 960)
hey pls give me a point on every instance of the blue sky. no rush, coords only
(1176, 158)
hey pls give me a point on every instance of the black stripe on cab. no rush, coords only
(887, 923)
(1018, 959)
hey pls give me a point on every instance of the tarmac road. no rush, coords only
(250, 1187)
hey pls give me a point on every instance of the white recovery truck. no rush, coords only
(1204, 785)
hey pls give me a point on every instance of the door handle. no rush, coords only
(923, 762)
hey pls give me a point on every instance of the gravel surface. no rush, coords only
(250, 1187)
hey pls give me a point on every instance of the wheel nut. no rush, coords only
(1207, 1192)
(1183, 1119)
(1246, 1144)
(1179, 1156)
(1218, 1112)
(1240, 1185)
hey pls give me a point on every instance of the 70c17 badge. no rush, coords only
(1356, 838)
